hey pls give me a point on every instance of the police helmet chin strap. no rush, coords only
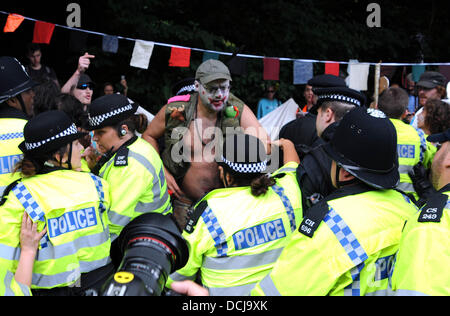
(339, 183)
(69, 158)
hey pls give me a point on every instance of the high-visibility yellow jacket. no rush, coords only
(350, 251)
(412, 148)
(423, 260)
(73, 205)
(12, 122)
(9, 286)
(238, 236)
(135, 175)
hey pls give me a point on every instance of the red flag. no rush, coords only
(13, 22)
(180, 57)
(271, 69)
(332, 68)
(43, 32)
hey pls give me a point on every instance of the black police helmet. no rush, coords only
(340, 94)
(47, 132)
(13, 78)
(110, 110)
(243, 154)
(365, 145)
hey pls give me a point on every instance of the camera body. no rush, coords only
(152, 248)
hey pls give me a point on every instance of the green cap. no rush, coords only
(211, 70)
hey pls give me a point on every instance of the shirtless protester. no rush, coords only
(192, 125)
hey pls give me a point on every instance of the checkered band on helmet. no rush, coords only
(69, 131)
(97, 120)
(258, 167)
(339, 97)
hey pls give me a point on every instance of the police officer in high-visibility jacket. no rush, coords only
(421, 266)
(130, 165)
(412, 146)
(18, 284)
(236, 234)
(16, 104)
(345, 243)
(71, 205)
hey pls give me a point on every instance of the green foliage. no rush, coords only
(303, 29)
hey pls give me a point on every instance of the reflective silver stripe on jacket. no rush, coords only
(158, 201)
(268, 287)
(240, 290)
(157, 185)
(72, 274)
(179, 277)
(407, 293)
(59, 251)
(405, 186)
(7, 283)
(242, 262)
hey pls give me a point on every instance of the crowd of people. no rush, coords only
(319, 211)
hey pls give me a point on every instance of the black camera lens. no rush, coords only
(152, 248)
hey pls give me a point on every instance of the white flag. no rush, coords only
(141, 54)
(357, 75)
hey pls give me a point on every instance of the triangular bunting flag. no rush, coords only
(141, 54)
(271, 69)
(43, 32)
(13, 22)
(180, 57)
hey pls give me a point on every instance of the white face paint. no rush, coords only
(214, 95)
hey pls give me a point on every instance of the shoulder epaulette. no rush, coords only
(432, 211)
(121, 158)
(195, 215)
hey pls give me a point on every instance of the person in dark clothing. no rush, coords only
(302, 131)
(313, 173)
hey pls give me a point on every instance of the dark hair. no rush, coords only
(31, 165)
(45, 97)
(32, 47)
(393, 102)
(339, 108)
(437, 118)
(136, 123)
(73, 108)
(259, 183)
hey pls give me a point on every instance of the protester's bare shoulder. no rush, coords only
(248, 118)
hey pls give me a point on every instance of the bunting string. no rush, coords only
(213, 52)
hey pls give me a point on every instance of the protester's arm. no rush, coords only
(289, 152)
(29, 242)
(156, 128)
(83, 65)
(251, 126)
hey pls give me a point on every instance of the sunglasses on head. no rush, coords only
(84, 86)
